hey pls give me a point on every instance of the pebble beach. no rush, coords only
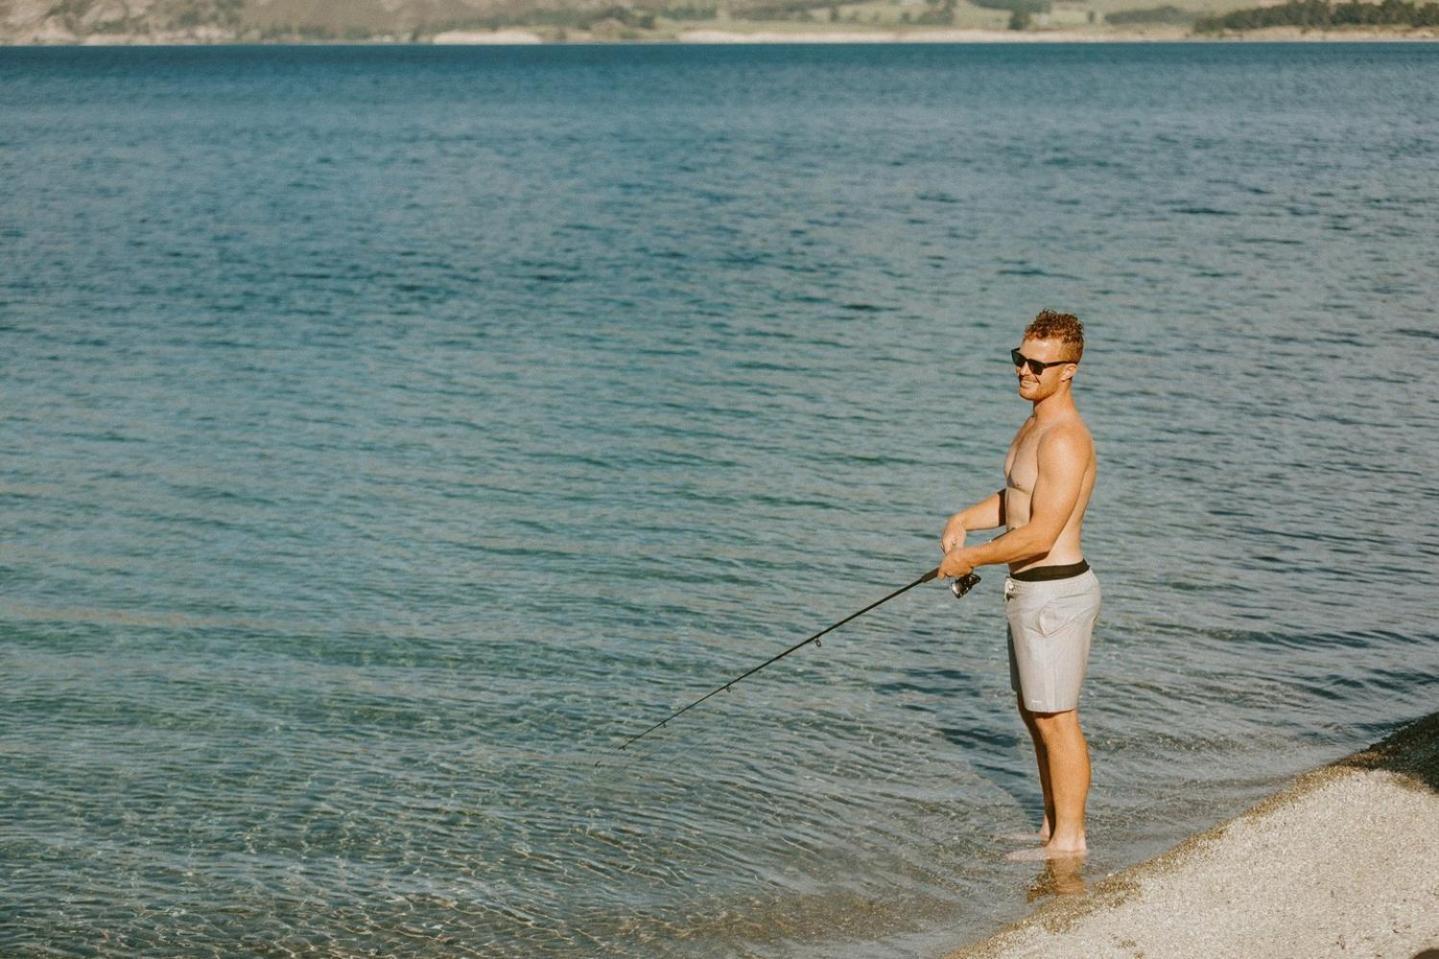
(1338, 863)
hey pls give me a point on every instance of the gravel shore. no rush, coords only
(1342, 862)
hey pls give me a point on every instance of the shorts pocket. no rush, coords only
(1058, 613)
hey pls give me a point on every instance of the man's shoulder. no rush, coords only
(1069, 435)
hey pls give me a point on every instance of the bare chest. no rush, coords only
(1021, 463)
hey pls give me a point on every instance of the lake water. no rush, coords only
(388, 432)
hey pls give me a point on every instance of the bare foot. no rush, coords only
(1047, 851)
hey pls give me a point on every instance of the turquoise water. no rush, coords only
(389, 432)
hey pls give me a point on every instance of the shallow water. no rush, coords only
(389, 432)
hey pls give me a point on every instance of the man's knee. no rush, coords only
(1055, 723)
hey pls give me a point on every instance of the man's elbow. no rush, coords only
(1041, 539)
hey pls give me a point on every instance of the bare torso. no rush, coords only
(1021, 472)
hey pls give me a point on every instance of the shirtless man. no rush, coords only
(1051, 598)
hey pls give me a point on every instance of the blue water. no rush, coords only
(388, 432)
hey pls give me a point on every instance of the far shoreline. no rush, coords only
(712, 37)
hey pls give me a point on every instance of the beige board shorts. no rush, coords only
(1050, 626)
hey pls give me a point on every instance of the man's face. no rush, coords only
(1037, 386)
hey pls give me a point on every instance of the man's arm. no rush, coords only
(1063, 455)
(988, 513)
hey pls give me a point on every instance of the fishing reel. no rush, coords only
(963, 585)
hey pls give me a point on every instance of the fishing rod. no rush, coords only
(959, 587)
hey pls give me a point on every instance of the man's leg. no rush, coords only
(1041, 758)
(1068, 761)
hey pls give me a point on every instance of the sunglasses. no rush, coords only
(1037, 367)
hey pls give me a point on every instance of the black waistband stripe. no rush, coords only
(1039, 574)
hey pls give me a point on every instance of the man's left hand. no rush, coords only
(954, 564)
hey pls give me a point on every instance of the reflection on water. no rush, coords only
(1059, 877)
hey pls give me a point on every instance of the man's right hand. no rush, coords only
(953, 534)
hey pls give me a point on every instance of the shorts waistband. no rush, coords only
(1039, 574)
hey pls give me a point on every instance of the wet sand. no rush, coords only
(1342, 862)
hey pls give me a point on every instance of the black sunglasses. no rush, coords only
(1036, 367)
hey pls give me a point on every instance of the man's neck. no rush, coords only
(1058, 404)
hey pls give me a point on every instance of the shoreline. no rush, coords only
(520, 36)
(1338, 862)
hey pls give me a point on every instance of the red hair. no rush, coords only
(1064, 327)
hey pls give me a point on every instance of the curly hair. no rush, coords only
(1064, 327)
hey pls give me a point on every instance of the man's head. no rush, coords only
(1048, 357)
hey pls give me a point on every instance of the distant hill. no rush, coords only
(220, 21)
(28, 21)
(259, 21)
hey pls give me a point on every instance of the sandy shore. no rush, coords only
(1342, 862)
(910, 36)
(502, 37)
(1152, 34)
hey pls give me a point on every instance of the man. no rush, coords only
(1051, 597)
